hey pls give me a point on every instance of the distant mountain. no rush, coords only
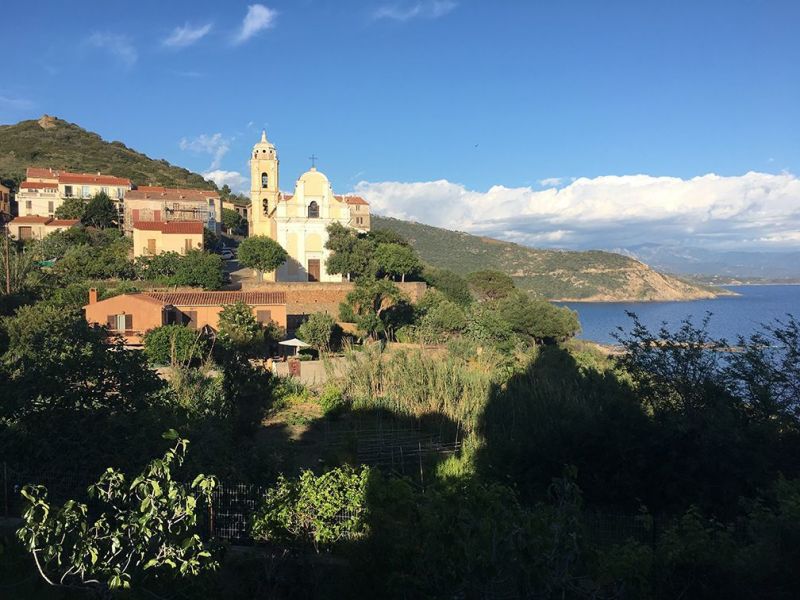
(52, 142)
(554, 274)
(702, 262)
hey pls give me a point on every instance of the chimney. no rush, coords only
(92, 295)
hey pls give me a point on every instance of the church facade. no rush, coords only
(299, 221)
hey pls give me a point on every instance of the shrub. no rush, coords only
(321, 331)
(332, 401)
(173, 345)
(317, 509)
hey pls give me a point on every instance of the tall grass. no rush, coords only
(417, 383)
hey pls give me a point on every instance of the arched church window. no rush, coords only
(313, 210)
(264, 180)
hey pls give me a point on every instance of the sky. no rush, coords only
(574, 124)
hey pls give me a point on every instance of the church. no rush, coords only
(299, 221)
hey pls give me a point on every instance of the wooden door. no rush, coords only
(151, 247)
(25, 233)
(313, 269)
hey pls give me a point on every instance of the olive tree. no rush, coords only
(262, 254)
(147, 524)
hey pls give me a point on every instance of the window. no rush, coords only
(104, 190)
(264, 180)
(263, 316)
(123, 322)
(151, 247)
(359, 220)
(313, 210)
(265, 205)
(85, 191)
(120, 192)
(28, 205)
(187, 245)
(68, 191)
(50, 208)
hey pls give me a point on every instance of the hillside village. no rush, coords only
(372, 404)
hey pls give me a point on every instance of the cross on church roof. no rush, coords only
(313, 159)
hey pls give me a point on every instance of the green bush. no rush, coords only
(332, 401)
(317, 509)
(173, 345)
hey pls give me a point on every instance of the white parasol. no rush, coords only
(296, 344)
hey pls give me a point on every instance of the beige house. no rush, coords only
(153, 204)
(34, 227)
(299, 222)
(154, 237)
(132, 315)
(5, 203)
(44, 190)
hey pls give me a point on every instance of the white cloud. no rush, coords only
(233, 179)
(754, 210)
(187, 35)
(424, 9)
(258, 18)
(15, 103)
(550, 181)
(119, 46)
(215, 144)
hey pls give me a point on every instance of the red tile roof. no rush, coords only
(90, 178)
(218, 298)
(352, 199)
(40, 173)
(170, 226)
(63, 222)
(31, 219)
(35, 185)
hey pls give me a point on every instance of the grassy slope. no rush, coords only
(554, 274)
(60, 144)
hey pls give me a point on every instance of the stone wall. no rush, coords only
(303, 298)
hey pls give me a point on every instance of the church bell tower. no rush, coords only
(263, 188)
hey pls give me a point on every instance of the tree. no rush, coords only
(490, 285)
(173, 345)
(396, 260)
(54, 355)
(367, 305)
(71, 208)
(231, 219)
(240, 331)
(100, 212)
(449, 283)
(262, 254)
(149, 523)
(321, 331)
(351, 254)
(539, 320)
(196, 268)
(441, 317)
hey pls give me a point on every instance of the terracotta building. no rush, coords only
(160, 204)
(154, 237)
(132, 315)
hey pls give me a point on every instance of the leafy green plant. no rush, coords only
(317, 509)
(321, 331)
(149, 523)
(173, 345)
(262, 254)
(332, 400)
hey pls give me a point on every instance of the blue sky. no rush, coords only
(524, 95)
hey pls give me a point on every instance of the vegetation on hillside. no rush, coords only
(552, 274)
(53, 142)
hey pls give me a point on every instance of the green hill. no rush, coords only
(554, 274)
(53, 142)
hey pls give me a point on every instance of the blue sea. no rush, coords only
(731, 315)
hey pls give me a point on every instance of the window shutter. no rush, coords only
(111, 321)
(128, 322)
(191, 319)
(263, 316)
